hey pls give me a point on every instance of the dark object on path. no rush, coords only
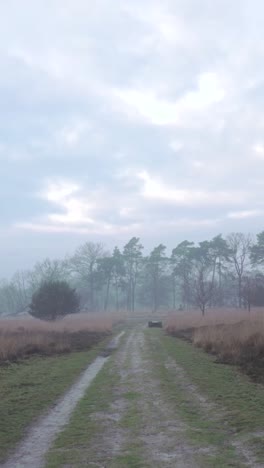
(155, 323)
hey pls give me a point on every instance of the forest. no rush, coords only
(221, 272)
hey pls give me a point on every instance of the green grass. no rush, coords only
(131, 395)
(30, 387)
(74, 445)
(241, 400)
(133, 451)
(130, 460)
(76, 437)
(82, 441)
(223, 384)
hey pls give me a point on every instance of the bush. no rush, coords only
(53, 300)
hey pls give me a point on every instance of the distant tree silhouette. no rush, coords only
(53, 300)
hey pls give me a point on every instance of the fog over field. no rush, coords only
(123, 119)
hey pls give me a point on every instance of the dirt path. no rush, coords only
(161, 430)
(147, 419)
(139, 429)
(143, 426)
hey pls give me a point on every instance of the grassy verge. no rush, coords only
(241, 400)
(30, 387)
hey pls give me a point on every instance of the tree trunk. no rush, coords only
(91, 290)
(116, 296)
(133, 297)
(129, 294)
(174, 292)
(107, 294)
(240, 292)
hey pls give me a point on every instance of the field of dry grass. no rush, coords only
(20, 338)
(233, 335)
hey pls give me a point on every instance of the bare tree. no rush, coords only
(203, 273)
(46, 270)
(203, 286)
(85, 264)
(239, 245)
(21, 286)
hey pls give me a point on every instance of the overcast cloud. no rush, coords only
(122, 118)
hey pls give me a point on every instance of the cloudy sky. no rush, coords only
(128, 117)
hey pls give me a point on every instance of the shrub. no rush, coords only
(53, 300)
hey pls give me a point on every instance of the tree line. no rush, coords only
(215, 273)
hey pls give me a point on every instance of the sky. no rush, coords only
(128, 118)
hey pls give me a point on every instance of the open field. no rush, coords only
(20, 338)
(234, 336)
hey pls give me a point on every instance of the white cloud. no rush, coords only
(258, 148)
(160, 111)
(82, 211)
(146, 104)
(164, 28)
(67, 196)
(198, 164)
(156, 189)
(244, 214)
(98, 228)
(209, 91)
(70, 135)
(176, 146)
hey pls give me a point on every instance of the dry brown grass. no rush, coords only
(20, 338)
(214, 316)
(235, 336)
